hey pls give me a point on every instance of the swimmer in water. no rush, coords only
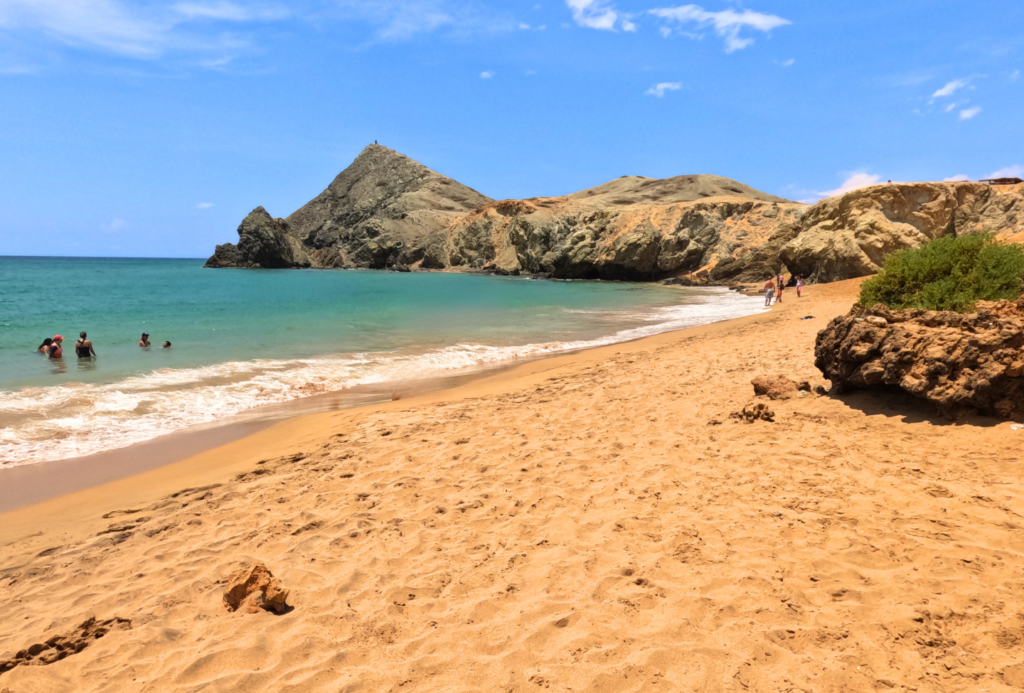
(144, 339)
(83, 347)
(44, 348)
(56, 349)
(167, 345)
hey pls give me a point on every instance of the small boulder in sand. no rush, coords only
(778, 386)
(754, 412)
(253, 589)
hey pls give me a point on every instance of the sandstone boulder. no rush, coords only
(962, 363)
(253, 589)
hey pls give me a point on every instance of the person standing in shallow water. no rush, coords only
(56, 350)
(44, 348)
(83, 347)
(144, 340)
(769, 289)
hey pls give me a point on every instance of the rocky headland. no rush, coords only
(386, 211)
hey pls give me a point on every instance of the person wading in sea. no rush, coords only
(83, 347)
(144, 339)
(56, 349)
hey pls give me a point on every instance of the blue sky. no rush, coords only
(151, 127)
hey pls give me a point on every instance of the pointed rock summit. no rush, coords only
(379, 212)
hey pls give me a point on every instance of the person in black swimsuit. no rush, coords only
(83, 347)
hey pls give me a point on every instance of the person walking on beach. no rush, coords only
(769, 290)
(144, 340)
(799, 286)
(782, 285)
(44, 348)
(56, 350)
(83, 347)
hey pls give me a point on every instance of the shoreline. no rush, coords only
(230, 438)
(28, 484)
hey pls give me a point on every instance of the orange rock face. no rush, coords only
(963, 363)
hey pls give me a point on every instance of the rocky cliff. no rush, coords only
(387, 211)
(632, 228)
(849, 236)
(379, 212)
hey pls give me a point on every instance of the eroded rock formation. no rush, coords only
(632, 228)
(387, 211)
(962, 363)
(850, 236)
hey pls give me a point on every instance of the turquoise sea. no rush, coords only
(246, 338)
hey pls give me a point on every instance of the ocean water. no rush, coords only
(242, 339)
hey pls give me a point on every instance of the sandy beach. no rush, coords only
(591, 522)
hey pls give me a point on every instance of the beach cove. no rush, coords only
(596, 521)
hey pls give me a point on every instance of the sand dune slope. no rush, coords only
(582, 527)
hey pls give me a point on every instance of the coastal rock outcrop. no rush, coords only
(849, 236)
(378, 212)
(632, 228)
(253, 589)
(962, 363)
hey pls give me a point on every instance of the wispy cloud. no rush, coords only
(950, 88)
(958, 178)
(726, 23)
(1008, 172)
(786, 63)
(660, 88)
(135, 31)
(204, 205)
(486, 75)
(969, 113)
(401, 20)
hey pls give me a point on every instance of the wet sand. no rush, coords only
(589, 522)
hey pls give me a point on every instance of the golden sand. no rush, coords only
(574, 524)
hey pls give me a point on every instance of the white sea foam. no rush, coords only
(40, 423)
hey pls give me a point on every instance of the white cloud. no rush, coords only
(114, 225)
(969, 113)
(1015, 75)
(593, 14)
(727, 23)
(951, 106)
(1008, 172)
(116, 26)
(956, 179)
(950, 88)
(486, 75)
(204, 205)
(786, 63)
(524, 25)
(854, 181)
(660, 88)
(628, 25)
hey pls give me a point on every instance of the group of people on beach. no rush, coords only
(774, 285)
(53, 347)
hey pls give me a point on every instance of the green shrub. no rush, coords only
(948, 274)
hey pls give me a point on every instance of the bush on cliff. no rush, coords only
(948, 273)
